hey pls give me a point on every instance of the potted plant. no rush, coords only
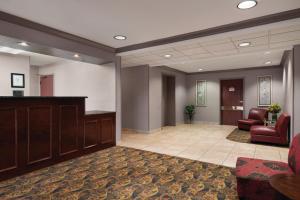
(274, 109)
(190, 111)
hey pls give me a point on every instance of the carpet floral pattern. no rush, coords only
(124, 173)
(239, 136)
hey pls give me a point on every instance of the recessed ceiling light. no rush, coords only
(268, 62)
(200, 69)
(76, 55)
(267, 52)
(244, 44)
(120, 37)
(24, 44)
(243, 5)
(168, 56)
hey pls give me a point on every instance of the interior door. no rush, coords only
(232, 101)
(46, 85)
(168, 101)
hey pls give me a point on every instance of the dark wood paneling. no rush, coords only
(36, 132)
(68, 129)
(39, 126)
(91, 133)
(107, 130)
(8, 139)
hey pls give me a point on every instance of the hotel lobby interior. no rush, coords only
(150, 99)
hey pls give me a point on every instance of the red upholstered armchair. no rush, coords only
(256, 116)
(275, 135)
(253, 175)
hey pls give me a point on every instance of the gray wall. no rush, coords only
(155, 94)
(135, 98)
(288, 87)
(296, 57)
(211, 112)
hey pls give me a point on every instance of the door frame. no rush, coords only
(40, 75)
(220, 104)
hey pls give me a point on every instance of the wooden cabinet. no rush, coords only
(99, 130)
(37, 132)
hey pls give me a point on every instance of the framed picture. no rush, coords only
(17, 80)
(201, 93)
(264, 87)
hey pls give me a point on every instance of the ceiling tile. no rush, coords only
(282, 37)
(288, 45)
(250, 36)
(254, 42)
(285, 29)
(254, 48)
(193, 51)
(221, 47)
(187, 46)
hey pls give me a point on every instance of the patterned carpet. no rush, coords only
(244, 137)
(124, 173)
(238, 135)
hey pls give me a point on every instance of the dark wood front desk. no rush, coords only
(36, 132)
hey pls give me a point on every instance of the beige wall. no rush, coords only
(296, 59)
(155, 95)
(97, 82)
(288, 88)
(13, 64)
(135, 98)
(211, 112)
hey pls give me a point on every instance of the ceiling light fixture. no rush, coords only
(267, 52)
(268, 62)
(247, 4)
(76, 55)
(244, 44)
(168, 56)
(200, 69)
(24, 44)
(120, 37)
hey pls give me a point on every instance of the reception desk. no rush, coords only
(36, 132)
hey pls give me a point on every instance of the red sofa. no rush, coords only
(256, 116)
(253, 174)
(275, 135)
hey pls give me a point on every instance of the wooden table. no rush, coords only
(287, 185)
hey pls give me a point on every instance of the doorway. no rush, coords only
(46, 85)
(168, 101)
(232, 101)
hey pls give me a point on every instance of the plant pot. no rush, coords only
(274, 116)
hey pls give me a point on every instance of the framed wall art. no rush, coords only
(17, 80)
(264, 87)
(201, 92)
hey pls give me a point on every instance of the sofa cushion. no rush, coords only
(263, 130)
(294, 155)
(253, 178)
(258, 169)
(249, 121)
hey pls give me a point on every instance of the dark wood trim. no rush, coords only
(268, 19)
(235, 70)
(46, 29)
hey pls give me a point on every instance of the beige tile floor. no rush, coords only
(203, 142)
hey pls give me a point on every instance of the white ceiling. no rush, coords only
(222, 52)
(139, 20)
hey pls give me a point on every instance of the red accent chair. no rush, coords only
(275, 135)
(256, 116)
(253, 175)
